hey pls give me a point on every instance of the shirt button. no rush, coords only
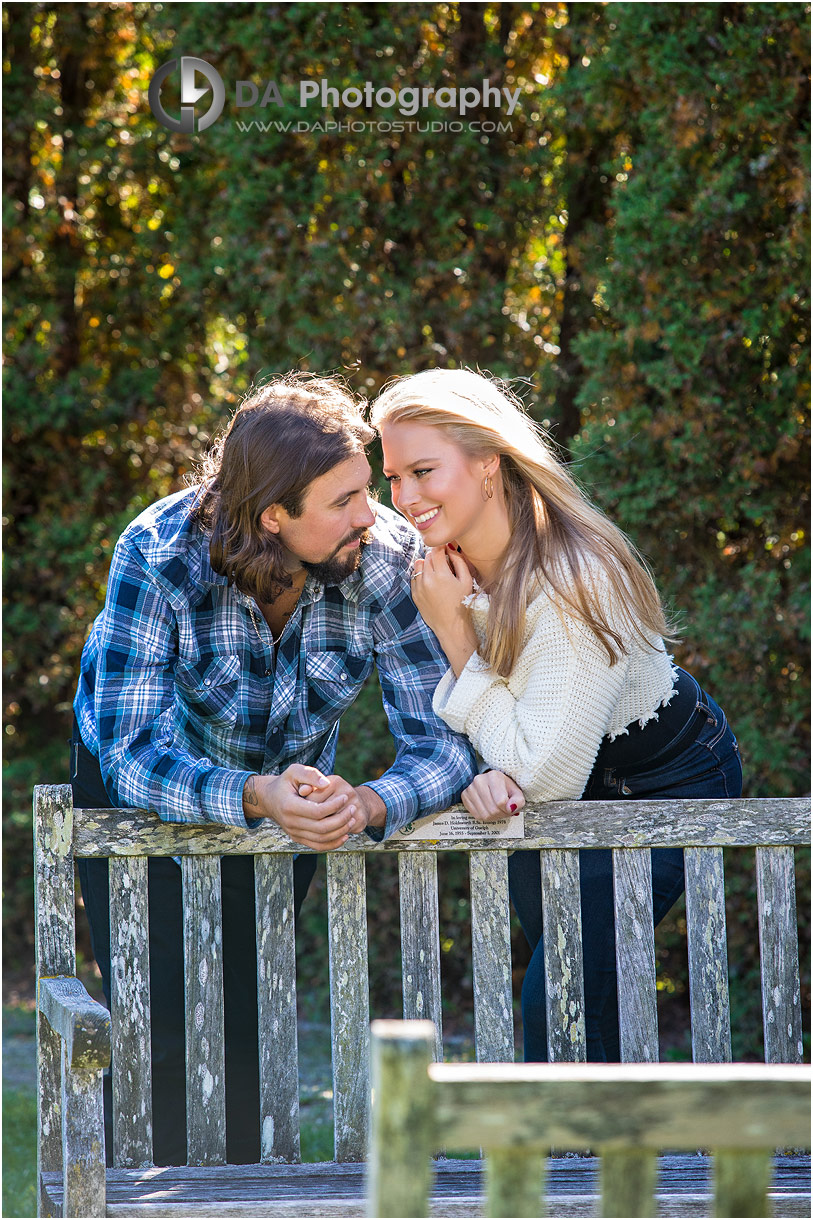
(344, 677)
(268, 672)
(207, 681)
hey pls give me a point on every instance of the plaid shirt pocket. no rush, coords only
(334, 680)
(210, 688)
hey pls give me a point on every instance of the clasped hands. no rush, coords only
(322, 811)
(319, 811)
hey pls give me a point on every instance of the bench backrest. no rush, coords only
(625, 1114)
(558, 830)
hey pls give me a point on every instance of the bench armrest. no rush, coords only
(83, 1024)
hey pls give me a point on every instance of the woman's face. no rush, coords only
(437, 486)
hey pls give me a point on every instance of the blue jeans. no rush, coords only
(702, 760)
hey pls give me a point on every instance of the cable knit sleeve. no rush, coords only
(543, 725)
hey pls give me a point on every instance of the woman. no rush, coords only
(554, 633)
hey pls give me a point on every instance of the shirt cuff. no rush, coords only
(401, 801)
(454, 699)
(221, 798)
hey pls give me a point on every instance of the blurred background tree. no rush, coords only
(633, 248)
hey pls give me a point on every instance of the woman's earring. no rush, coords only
(488, 487)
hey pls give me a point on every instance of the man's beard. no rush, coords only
(332, 571)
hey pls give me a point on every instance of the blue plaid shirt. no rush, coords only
(181, 700)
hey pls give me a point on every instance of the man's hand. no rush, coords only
(492, 796)
(367, 806)
(322, 824)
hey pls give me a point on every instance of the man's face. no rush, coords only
(327, 537)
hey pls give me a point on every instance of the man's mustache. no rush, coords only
(364, 536)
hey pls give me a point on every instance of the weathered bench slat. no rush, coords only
(327, 1189)
(398, 1183)
(49, 1106)
(349, 1002)
(564, 968)
(629, 1112)
(741, 1182)
(203, 996)
(83, 1029)
(276, 1001)
(513, 1182)
(82, 1141)
(491, 957)
(714, 823)
(779, 955)
(55, 952)
(635, 955)
(83, 1025)
(54, 893)
(653, 1105)
(708, 961)
(420, 941)
(627, 1177)
(130, 1012)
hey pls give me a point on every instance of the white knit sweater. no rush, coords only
(544, 724)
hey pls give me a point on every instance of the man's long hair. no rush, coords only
(282, 437)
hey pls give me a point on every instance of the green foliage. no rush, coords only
(696, 369)
(634, 247)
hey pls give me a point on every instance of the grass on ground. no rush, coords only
(19, 1152)
(19, 1113)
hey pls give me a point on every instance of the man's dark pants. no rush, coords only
(167, 981)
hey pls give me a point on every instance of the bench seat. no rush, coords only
(328, 1189)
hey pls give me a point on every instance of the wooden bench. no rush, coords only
(626, 1113)
(75, 1035)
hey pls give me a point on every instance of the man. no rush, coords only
(242, 618)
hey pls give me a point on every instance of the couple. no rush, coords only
(505, 614)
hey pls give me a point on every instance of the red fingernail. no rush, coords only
(513, 808)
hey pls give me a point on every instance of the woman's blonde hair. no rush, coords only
(555, 531)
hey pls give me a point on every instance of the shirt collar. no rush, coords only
(206, 575)
(314, 590)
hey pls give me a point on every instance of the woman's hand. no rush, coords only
(439, 584)
(492, 796)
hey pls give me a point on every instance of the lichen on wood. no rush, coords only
(203, 997)
(276, 997)
(349, 1002)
